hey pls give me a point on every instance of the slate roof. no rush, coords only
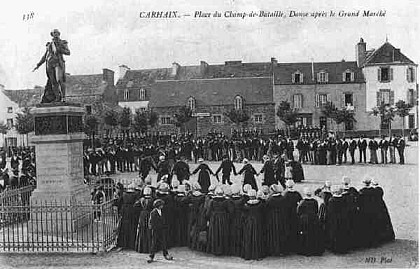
(387, 53)
(79, 85)
(208, 92)
(25, 97)
(283, 72)
(238, 69)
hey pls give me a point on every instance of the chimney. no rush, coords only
(203, 68)
(108, 76)
(273, 61)
(361, 53)
(122, 70)
(175, 69)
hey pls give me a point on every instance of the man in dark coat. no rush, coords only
(383, 145)
(159, 231)
(352, 149)
(279, 170)
(362, 145)
(268, 170)
(226, 167)
(400, 148)
(181, 169)
(146, 164)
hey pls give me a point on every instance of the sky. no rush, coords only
(106, 34)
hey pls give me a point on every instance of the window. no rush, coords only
(142, 94)
(410, 97)
(348, 100)
(348, 76)
(10, 109)
(297, 77)
(297, 100)
(304, 120)
(385, 96)
(411, 121)
(321, 99)
(217, 118)
(191, 103)
(410, 74)
(385, 74)
(9, 123)
(88, 110)
(258, 118)
(126, 94)
(165, 120)
(238, 104)
(322, 77)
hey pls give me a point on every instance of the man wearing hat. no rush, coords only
(157, 225)
(55, 65)
(226, 167)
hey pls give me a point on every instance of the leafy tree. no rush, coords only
(387, 114)
(330, 111)
(25, 122)
(91, 126)
(125, 120)
(111, 120)
(238, 116)
(141, 121)
(182, 116)
(287, 114)
(403, 110)
(152, 118)
(344, 116)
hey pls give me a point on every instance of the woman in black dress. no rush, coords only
(203, 175)
(236, 203)
(385, 231)
(181, 217)
(249, 174)
(218, 215)
(196, 218)
(309, 232)
(253, 231)
(143, 238)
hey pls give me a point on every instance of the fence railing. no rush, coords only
(57, 226)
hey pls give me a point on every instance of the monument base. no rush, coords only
(61, 201)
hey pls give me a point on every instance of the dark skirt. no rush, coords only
(218, 234)
(128, 228)
(310, 237)
(143, 238)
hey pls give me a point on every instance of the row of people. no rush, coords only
(253, 224)
(337, 150)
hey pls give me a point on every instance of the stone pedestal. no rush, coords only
(58, 143)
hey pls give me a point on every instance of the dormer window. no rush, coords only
(322, 77)
(142, 94)
(297, 77)
(191, 103)
(238, 102)
(126, 94)
(348, 76)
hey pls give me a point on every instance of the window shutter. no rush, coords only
(343, 100)
(391, 98)
(354, 101)
(379, 74)
(344, 77)
(408, 74)
(318, 77)
(316, 100)
(293, 77)
(391, 74)
(328, 97)
(378, 98)
(326, 77)
(301, 78)
(408, 97)
(352, 76)
(301, 100)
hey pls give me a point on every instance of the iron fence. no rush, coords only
(58, 226)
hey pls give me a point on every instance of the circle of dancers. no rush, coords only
(239, 220)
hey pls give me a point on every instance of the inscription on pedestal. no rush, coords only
(58, 124)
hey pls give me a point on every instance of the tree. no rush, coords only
(125, 120)
(403, 110)
(344, 116)
(3, 130)
(152, 118)
(25, 123)
(387, 114)
(287, 114)
(140, 122)
(90, 127)
(183, 115)
(330, 111)
(111, 120)
(238, 117)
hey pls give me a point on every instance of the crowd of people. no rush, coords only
(240, 221)
(22, 170)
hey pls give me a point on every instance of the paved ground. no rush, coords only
(400, 183)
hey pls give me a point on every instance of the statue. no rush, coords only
(55, 89)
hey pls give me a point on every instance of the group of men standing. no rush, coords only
(338, 151)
